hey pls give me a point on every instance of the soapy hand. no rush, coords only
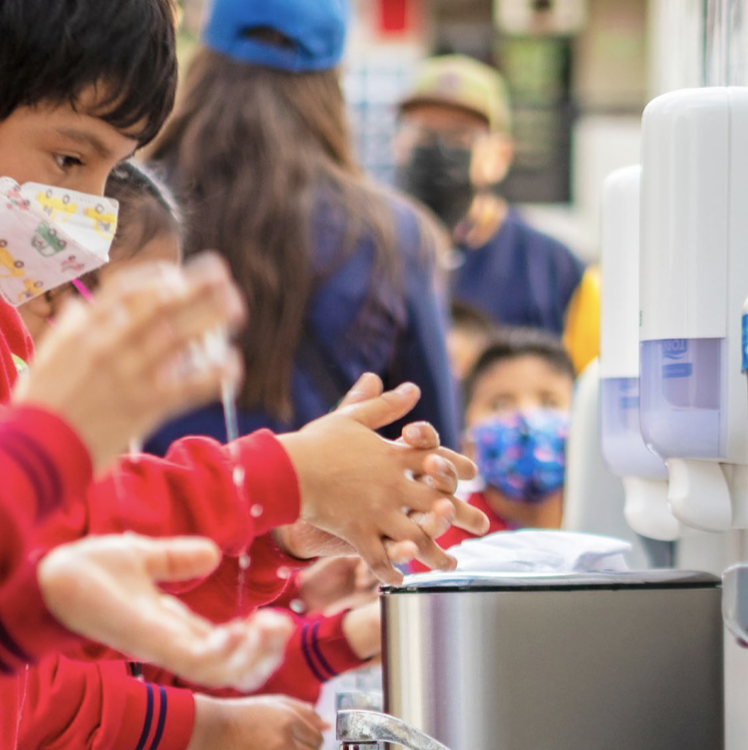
(272, 722)
(105, 589)
(115, 369)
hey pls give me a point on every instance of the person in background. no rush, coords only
(469, 332)
(518, 401)
(453, 149)
(338, 274)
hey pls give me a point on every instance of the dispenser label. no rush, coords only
(681, 370)
(744, 358)
(676, 349)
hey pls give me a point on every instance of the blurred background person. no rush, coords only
(453, 150)
(518, 398)
(338, 274)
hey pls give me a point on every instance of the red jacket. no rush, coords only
(72, 705)
(190, 491)
(43, 464)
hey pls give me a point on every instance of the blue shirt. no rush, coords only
(520, 277)
(395, 330)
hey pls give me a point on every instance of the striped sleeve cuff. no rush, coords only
(325, 648)
(27, 629)
(52, 455)
(155, 718)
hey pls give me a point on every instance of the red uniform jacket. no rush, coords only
(190, 491)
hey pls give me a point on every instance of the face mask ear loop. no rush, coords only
(83, 290)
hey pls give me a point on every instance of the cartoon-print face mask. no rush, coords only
(523, 454)
(50, 236)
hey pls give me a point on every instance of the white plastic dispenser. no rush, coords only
(643, 473)
(693, 282)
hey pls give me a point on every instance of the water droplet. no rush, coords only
(256, 511)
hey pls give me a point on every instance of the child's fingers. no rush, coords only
(438, 521)
(442, 474)
(401, 553)
(174, 325)
(306, 711)
(366, 387)
(373, 552)
(177, 559)
(421, 435)
(179, 386)
(429, 553)
(466, 469)
(469, 518)
(385, 409)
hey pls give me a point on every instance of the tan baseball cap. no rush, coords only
(463, 82)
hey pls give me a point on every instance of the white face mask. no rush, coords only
(50, 236)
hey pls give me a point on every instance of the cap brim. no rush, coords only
(441, 101)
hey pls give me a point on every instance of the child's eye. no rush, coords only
(503, 403)
(65, 162)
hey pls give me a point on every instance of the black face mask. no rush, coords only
(439, 176)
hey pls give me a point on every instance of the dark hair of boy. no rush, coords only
(519, 342)
(52, 51)
(147, 209)
(471, 320)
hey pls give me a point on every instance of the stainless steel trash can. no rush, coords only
(624, 661)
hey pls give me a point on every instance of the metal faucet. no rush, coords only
(357, 728)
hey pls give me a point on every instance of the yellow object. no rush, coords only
(582, 329)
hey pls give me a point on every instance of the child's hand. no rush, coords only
(105, 589)
(360, 487)
(272, 722)
(112, 368)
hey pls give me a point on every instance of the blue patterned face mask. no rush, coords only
(523, 454)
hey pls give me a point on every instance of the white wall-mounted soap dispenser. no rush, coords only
(643, 473)
(693, 282)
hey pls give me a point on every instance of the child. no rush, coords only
(518, 399)
(84, 85)
(319, 648)
(148, 230)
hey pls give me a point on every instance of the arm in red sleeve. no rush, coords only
(317, 651)
(191, 491)
(43, 464)
(232, 592)
(197, 496)
(73, 706)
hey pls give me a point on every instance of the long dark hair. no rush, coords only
(51, 51)
(253, 153)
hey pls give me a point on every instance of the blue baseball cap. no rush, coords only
(315, 30)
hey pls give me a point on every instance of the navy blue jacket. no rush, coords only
(520, 277)
(399, 335)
